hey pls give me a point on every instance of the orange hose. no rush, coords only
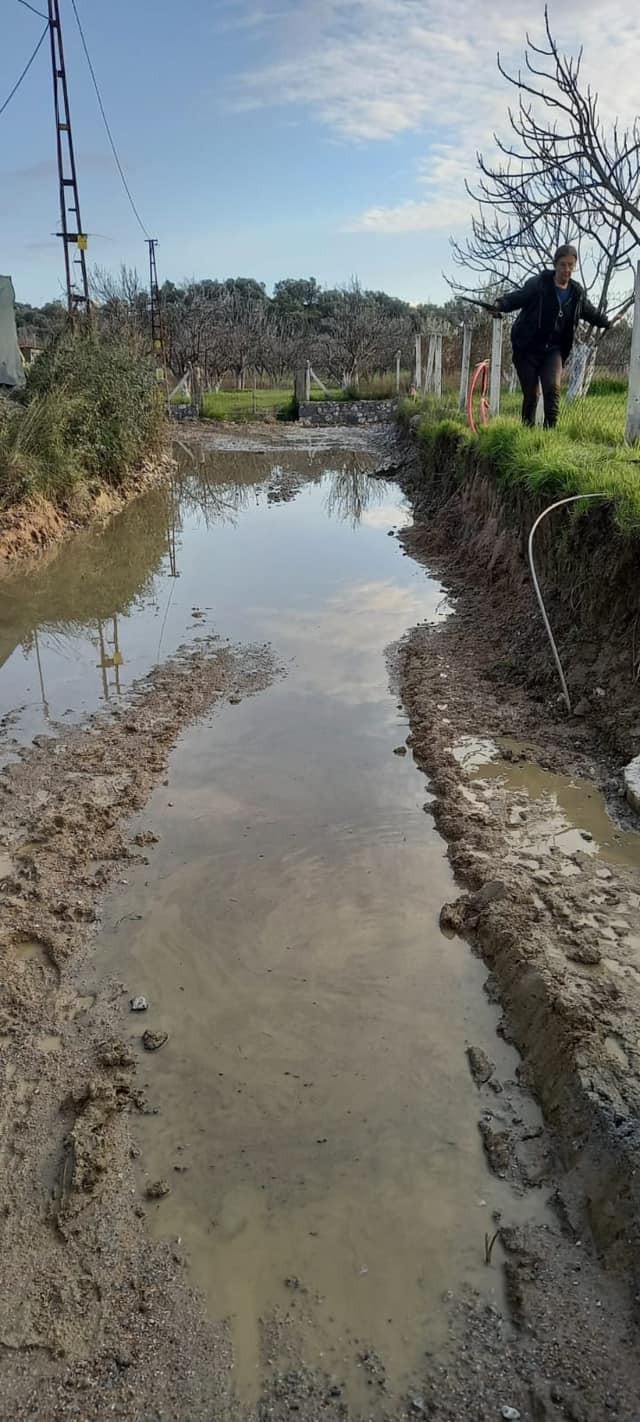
(481, 373)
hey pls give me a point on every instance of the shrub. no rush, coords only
(111, 411)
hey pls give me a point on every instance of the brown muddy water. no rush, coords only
(316, 1119)
(569, 812)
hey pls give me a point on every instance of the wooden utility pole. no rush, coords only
(72, 231)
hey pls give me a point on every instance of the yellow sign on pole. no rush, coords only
(83, 241)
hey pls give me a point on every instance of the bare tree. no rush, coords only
(122, 304)
(561, 176)
(354, 333)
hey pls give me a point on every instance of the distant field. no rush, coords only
(245, 404)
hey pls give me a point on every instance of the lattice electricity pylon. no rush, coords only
(72, 233)
(157, 325)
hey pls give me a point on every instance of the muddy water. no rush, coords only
(570, 814)
(315, 1116)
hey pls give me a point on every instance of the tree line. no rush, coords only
(232, 328)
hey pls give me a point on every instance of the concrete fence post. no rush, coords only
(632, 429)
(496, 366)
(301, 384)
(467, 332)
(428, 375)
(437, 367)
(418, 379)
(398, 357)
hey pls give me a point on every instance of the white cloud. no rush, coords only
(436, 214)
(374, 70)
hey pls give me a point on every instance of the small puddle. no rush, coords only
(316, 1118)
(572, 812)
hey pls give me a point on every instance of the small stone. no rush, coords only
(479, 1065)
(400, 750)
(116, 1054)
(158, 1190)
(491, 891)
(418, 1405)
(585, 834)
(235, 700)
(582, 708)
(510, 1414)
(153, 1041)
(452, 917)
(584, 953)
(138, 1004)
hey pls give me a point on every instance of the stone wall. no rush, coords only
(345, 412)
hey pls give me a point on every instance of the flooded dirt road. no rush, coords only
(330, 1135)
(316, 1117)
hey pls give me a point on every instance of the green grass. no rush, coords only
(240, 404)
(548, 463)
(246, 404)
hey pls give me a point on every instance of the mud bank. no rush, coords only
(94, 1320)
(587, 569)
(36, 524)
(558, 925)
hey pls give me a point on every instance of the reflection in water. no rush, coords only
(73, 610)
(351, 492)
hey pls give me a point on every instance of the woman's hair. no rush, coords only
(566, 251)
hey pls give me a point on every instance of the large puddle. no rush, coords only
(567, 813)
(316, 1119)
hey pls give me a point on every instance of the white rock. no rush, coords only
(631, 778)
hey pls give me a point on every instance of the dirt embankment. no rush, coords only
(34, 524)
(587, 569)
(560, 932)
(94, 1320)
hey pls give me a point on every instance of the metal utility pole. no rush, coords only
(157, 325)
(157, 333)
(72, 233)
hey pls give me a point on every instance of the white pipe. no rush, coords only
(572, 499)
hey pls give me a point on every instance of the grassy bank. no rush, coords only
(549, 463)
(90, 414)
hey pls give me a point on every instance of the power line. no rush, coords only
(106, 123)
(27, 6)
(26, 69)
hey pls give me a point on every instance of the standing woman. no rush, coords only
(551, 306)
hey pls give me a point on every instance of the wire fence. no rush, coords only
(594, 389)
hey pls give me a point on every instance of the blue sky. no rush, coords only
(273, 139)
